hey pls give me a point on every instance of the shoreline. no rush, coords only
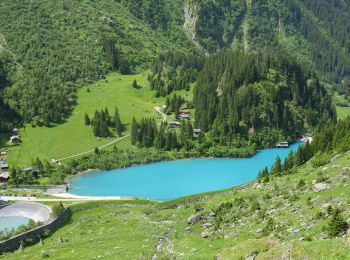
(68, 195)
(68, 179)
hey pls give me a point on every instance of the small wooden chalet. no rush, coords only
(4, 176)
(4, 166)
(174, 124)
(15, 139)
(196, 132)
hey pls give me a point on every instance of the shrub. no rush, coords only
(320, 159)
(56, 209)
(255, 206)
(270, 226)
(301, 184)
(337, 225)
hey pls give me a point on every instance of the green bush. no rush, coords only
(56, 209)
(337, 225)
(320, 159)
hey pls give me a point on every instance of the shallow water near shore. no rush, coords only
(14, 222)
(174, 179)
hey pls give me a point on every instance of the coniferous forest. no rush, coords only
(244, 93)
(58, 47)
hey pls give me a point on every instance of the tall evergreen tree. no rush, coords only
(87, 119)
(117, 123)
(134, 131)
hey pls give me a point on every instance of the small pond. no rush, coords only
(14, 222)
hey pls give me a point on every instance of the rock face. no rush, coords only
(321, 186)
(194, 219)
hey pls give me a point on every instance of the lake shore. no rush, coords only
(169, 179)
(68, 195)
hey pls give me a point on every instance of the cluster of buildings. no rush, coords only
(15, 139)
(185, 115)
(4, 167)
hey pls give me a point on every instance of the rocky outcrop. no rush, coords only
(318, 187)
(191, 16)
(194, 219)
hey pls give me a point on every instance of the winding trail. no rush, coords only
(158, 109)
(90, 151)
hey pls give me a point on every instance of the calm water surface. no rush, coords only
(10, 223)
(169, 180)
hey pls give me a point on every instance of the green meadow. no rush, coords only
(73, 136)
(342, 105)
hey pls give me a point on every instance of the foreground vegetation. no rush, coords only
(285, 217)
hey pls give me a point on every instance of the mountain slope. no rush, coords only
(61, 46)
(64, 45)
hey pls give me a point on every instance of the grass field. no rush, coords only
(73, 137)
(342, 106)
(129, 230)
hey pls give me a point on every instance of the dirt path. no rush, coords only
(90, 151)
(158, 109)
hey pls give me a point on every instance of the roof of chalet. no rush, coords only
(5, 175)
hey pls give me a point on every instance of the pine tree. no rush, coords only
(289, 161)
(107, 118)
(134, 132)
(134, 84)
(276, 169)
(117, 123)
(87, 119)
(298, 157)
(337, 224)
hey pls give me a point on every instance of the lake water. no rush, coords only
(12, 222)
(169, 180)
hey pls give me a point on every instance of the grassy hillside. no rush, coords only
(342, 105)
(73, 136)
(282, 218)
(60, 46)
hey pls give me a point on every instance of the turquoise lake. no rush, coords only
(174, 179)
(10, 223)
